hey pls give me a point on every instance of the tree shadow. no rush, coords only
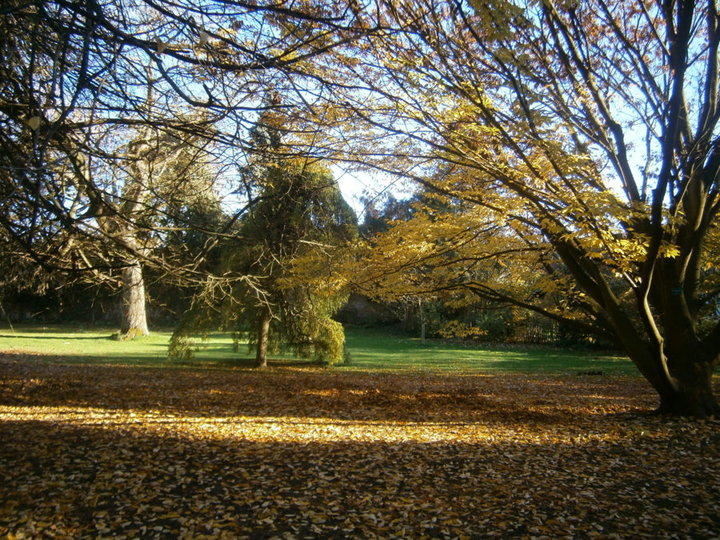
(126, 480)
(318, 393)
(246, 362)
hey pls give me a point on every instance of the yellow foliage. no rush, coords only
(460, 330)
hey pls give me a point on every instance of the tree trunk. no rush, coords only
(134, 318)
(690, 360)
(680, 371)
(691, 393)
(262, 339)
(696, 399)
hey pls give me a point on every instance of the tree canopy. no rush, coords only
(79, 81)
(588, 132)
(282, 267)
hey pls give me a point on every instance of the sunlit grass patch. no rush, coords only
(96, 345)
(369, 349)
(375, 350)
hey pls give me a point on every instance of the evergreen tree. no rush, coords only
(299, 217)
(278, 273)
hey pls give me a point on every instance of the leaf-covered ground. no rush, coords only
(117, 451)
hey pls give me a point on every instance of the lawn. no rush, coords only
(370, 349)
(115, 444)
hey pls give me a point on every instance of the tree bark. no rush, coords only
(262, 339)
(681, 372)
(691, 393)
(134, 317)
(689, 359)
(693, 397)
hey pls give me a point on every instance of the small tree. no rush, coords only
(278, 279)
(299, 217)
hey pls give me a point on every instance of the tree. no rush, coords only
(117, 208)
(591, 131)
(92, 95)
(285, 260)
(294, 234)
(476, 270)
(162, 173)
(280, 268)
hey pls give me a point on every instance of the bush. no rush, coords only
(329, 342)
(180, 348)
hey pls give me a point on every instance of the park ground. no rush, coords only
(507, 443)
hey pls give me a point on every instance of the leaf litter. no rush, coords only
(126, 452)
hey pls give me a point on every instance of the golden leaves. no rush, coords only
(34, 122)
(292, 453)
(460, 330)
(441, 248)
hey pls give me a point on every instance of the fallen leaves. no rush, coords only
(290, 453)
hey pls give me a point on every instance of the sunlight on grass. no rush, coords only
(96, 345)
(373, 350)
(82, 344)
(369, 349)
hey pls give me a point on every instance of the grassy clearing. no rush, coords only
(96, 346)
(370, 350)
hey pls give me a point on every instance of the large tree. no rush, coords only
(95, 98)
(144, 200)
(590, 130)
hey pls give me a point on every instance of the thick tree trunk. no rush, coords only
(690, 360)
(685, 385)
(695, 400)
(691, 393)
(134, 317)
(262, 339)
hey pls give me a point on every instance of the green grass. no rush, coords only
(370, 350)
(96, 345)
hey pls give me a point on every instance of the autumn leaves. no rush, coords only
(127, 452)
